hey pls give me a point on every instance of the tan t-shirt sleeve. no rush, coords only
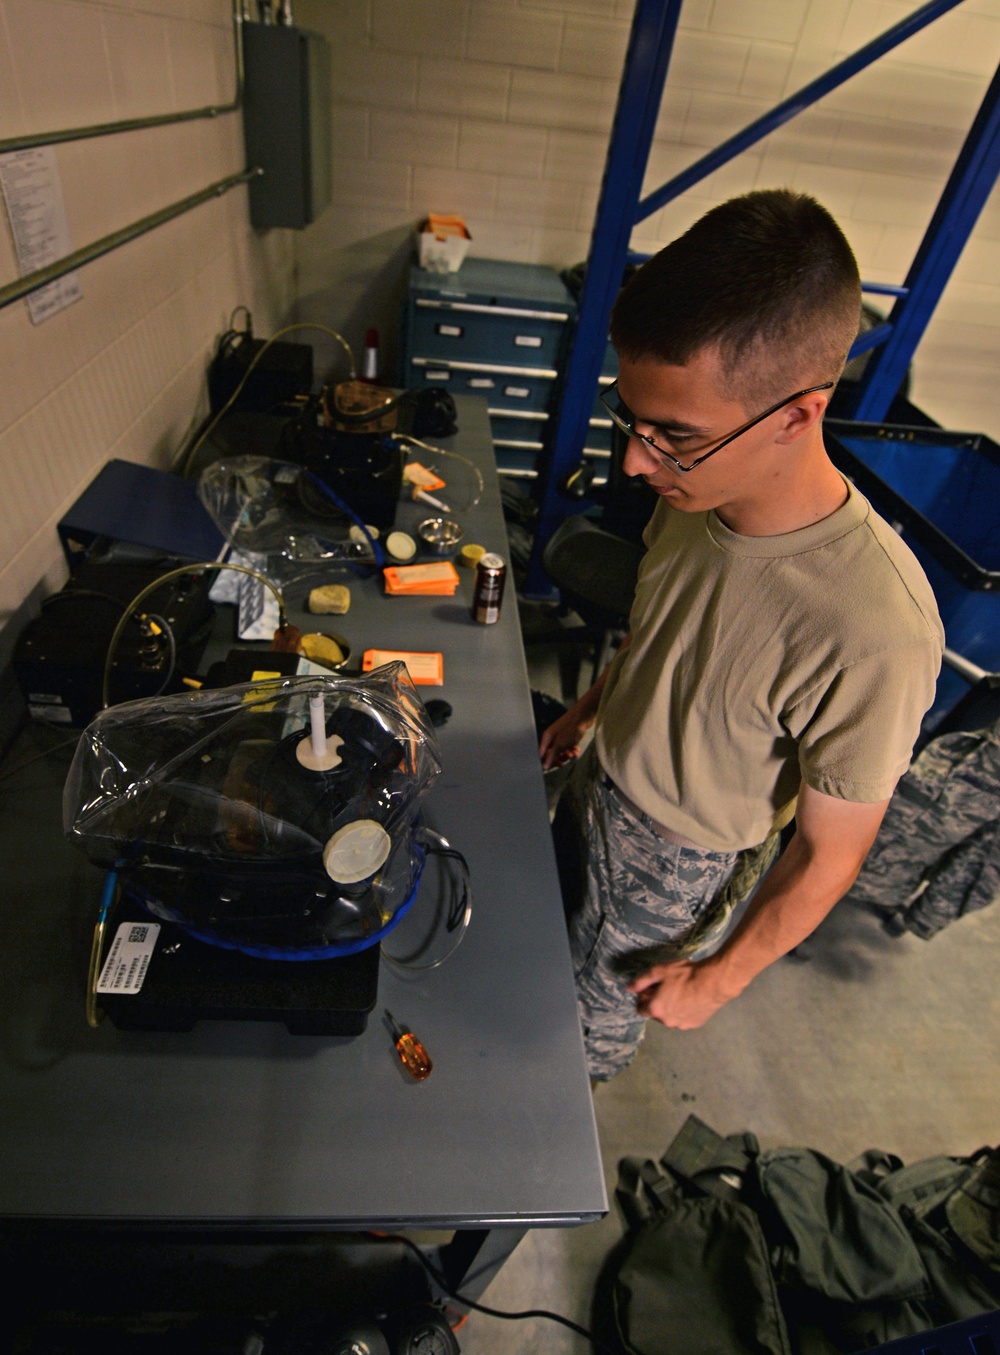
(860, 738)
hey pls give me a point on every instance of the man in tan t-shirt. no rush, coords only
(783, 645)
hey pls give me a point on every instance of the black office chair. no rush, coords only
(594, 560)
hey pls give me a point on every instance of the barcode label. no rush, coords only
(258, 615)
(129, 957)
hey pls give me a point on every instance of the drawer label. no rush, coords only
(517, 392)
(483, 383)
(527, 340)
(438, 376)
(450, 331)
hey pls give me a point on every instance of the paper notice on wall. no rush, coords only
(33, 194)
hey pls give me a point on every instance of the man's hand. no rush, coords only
(681, 995)
(561, 741)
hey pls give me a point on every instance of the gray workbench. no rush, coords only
(244, 1125)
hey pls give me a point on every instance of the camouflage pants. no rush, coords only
(635, 900)
(937, 854)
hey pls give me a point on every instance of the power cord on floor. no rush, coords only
(466, 1302)
(37, 757)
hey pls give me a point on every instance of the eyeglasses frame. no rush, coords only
(744, 428)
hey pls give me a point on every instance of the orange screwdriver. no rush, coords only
(415, 1057)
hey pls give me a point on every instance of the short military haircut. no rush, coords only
(768, 279)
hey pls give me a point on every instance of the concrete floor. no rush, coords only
(868, 1041)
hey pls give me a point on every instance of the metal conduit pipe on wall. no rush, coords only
(41, 277)
(33, 139)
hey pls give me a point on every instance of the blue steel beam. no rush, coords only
(620, 208)
(794, 105)
(871, 338)
(964, 197)
(650, 45)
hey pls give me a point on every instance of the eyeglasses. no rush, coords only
(625, 420)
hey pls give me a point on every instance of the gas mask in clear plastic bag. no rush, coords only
(233, 814)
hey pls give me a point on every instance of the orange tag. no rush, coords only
(426, 670)
(416, 474)
(437, 580)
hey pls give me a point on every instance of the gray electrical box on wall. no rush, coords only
(286, 123)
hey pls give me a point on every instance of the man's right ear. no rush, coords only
(802, 415)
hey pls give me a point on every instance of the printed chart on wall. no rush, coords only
(33, 194)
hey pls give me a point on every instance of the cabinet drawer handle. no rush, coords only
(498, 369)
(512, 312)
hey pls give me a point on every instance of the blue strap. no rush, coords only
(330, 952)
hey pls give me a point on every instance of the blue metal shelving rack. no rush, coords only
(620, 208)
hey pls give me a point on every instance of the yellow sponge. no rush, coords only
(322, 649)
(331, 598)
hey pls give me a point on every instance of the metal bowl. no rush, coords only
(324, 660)
(440, 535)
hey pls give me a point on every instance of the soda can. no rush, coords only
(488, 592)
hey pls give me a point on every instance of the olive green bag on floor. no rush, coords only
(734, 1251)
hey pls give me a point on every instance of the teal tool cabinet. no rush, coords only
(500, 330)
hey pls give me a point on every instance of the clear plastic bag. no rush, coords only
(202, 804)
(283, 513)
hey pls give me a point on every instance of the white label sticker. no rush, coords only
(481, 383)
(517, 392)
(438, 376)
(52, 715)
(129, 956)
(450, 331)
(527, 341)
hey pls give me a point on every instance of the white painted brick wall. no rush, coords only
(121, 373)
(463, 88)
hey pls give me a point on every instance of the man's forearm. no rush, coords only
(789, 905)
(820, 864)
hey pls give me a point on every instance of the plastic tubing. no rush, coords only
(175, 574)
(94, 1014)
